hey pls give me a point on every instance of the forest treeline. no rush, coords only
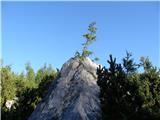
(20, 93)
(128, 93)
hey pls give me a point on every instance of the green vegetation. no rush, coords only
(127, 94)
(90, 37)
(26, 90)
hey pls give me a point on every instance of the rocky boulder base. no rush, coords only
(73, 95)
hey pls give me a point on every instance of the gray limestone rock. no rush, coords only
(73, 95)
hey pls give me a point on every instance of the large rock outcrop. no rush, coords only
(73, 95)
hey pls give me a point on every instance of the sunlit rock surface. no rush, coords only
(73, 95)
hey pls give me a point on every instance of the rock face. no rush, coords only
(73, 95)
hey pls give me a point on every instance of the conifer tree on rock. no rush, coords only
(90, 37)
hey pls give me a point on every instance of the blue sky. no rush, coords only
(51, 32)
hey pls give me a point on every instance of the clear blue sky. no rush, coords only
(51, 32)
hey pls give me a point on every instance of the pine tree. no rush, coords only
(30, 76)
(90, 37)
